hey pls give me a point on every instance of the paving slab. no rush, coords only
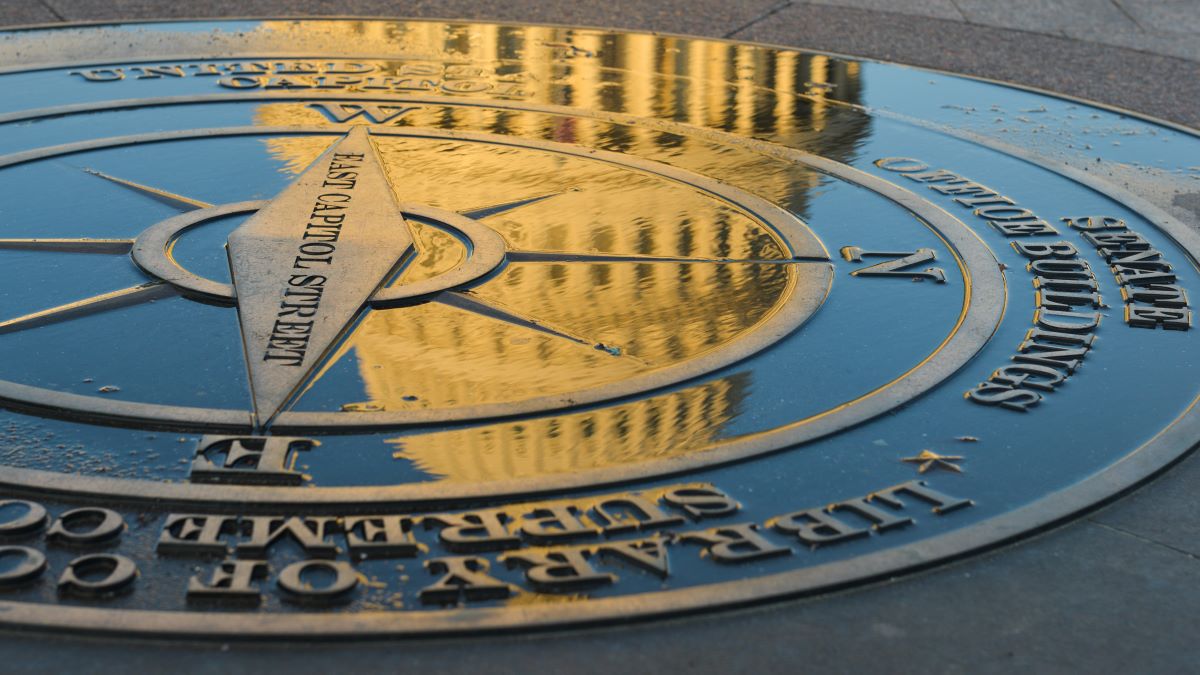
(23, 11)
(1170, 16)
(937, 9)
(1180, 44)
(1164, 86)
(1045, 16)
(1164, 511)
(1167, 28)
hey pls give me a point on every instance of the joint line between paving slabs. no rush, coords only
(774, 9)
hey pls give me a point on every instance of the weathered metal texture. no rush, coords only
(518, 327)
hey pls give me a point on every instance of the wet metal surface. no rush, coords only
(682, 323)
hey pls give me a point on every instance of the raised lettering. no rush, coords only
(231, 581)
(735, 543)
(463, 577)
(254, 460)
(99, 575)
(318, 581)
(898, 266)
(560, 570)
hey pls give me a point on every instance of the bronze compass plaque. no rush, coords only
(350, 328)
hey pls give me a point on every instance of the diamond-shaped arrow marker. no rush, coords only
(305, 265)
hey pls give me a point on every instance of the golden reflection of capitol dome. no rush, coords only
(656, 314)
(656, 428)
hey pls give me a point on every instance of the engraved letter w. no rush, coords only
(377, 114)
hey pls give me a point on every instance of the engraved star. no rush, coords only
(931, 460)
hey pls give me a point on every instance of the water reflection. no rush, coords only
(654, 314)
(655, 428)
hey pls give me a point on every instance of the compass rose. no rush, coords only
(307, 264)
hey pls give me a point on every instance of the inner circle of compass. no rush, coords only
(781, 263)
(152, 250)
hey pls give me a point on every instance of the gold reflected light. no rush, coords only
(651, 314)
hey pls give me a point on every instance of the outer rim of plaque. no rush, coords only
(1151, 458)
(1169, 446)
(983, 308)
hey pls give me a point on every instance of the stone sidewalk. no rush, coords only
(1167, 27)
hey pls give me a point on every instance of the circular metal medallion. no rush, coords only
(363, 328)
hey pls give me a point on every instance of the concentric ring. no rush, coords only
(1082, 492)
(152, 253)
(982, 312)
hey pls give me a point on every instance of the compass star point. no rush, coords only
(305, 265)
(927, 459)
